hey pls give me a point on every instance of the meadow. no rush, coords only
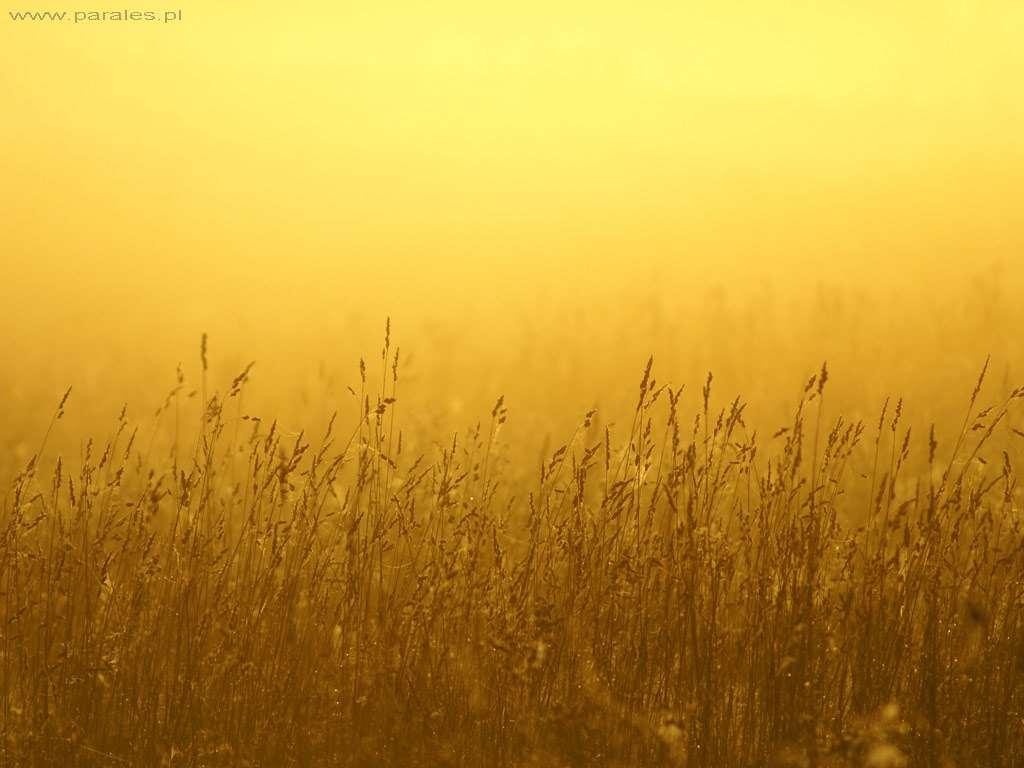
(549, 384)
(551, 557)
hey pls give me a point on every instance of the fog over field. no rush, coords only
(463, 234)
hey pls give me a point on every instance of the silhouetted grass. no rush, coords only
(692, 593)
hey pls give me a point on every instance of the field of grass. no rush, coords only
(512, 385)
(686, 588)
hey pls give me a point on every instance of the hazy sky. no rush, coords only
(381, 154)
(540, 193)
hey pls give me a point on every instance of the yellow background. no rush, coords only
(284, 176)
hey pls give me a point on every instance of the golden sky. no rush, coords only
(401, 153)
(540, 193)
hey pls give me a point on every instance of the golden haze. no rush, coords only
(498, 554)
(285, 178)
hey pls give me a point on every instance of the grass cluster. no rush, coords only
(683, 592)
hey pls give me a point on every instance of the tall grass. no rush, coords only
(692, 592)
